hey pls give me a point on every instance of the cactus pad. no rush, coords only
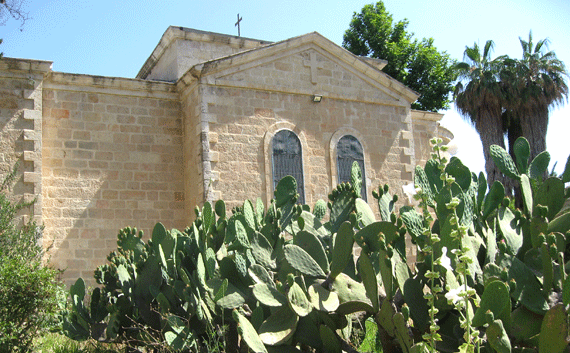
(300, 260)
(323, 299)
(279, 327)
(248, 333)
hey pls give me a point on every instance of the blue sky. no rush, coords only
(114, 38)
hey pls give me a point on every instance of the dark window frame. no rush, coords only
(287, 159)
(348, 150)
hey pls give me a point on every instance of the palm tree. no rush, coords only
(538, 83)
(481, 100)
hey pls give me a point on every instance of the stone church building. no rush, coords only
(208, 116)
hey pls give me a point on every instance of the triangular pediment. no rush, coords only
(309, 64)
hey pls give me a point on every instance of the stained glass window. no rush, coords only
(288, 160)
(348, 150)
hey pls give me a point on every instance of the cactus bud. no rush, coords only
(541, 238)
(301, 223)
(489, 317)
(551, 239)
(197, 211)
(402, 231)
(506, 202)
(406, 311)
(512, 286)
(389, 250)
(400, 223)
(386, 188)
(553, 251)
(375, 194)
(290, 279)
(352, 218)
(393, 217)
(502, 246)
(542, 210)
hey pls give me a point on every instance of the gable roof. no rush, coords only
(367, 68)
(174, 33)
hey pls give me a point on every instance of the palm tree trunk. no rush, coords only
(490, 130)
(533, 126)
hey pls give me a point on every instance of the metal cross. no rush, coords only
(237, 24)
(314, 65)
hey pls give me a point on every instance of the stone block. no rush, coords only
(29, 114)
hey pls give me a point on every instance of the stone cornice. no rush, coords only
(423, 115)
(28, 65)
(111, 85)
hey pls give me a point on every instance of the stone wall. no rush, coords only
(242, 119)
(249, 98)
(21, 85)
(112, 158)
(426, 126)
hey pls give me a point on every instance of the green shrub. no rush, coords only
(28, 289)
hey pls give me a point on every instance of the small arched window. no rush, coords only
(349, 150)
(288, 160)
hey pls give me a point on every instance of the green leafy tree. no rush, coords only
(416, 63)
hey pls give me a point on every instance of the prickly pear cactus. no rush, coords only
(283, 278)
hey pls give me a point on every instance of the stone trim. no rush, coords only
(32, 66)
(340, 133)
(407, 137)
(208, 157)
(423, 115)
(440, 131)
(268, 151)
(111, 85)
(35, 72)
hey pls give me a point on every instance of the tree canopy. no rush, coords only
(416, 63)
(510, 96)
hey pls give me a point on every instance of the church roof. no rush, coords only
(174, 33)
(240, 53)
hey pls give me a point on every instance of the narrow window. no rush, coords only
(348, 150)
(288, 160)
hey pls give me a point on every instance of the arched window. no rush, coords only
(348, 150)
(288, 160)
